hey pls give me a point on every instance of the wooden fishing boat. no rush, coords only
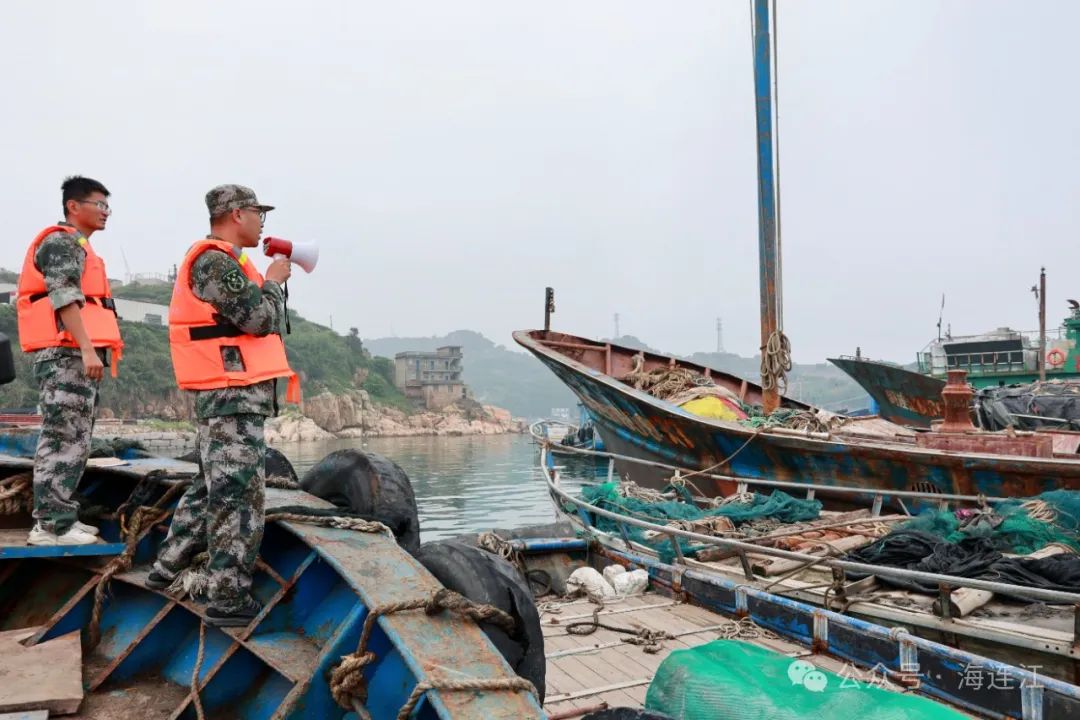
(866, 453)
(687, 608)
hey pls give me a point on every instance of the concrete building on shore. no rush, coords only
(431, 379)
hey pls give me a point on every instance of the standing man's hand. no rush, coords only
(279, 271)
(92, 365)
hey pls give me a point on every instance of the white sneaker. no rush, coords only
(88, 529)
(74, 536)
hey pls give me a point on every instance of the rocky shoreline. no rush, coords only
(328, 416)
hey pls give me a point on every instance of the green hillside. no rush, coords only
(323, 359)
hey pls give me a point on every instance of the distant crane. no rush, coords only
(719, 335)
(127, 268)
(617, 335)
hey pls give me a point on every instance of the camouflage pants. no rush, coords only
(222, 511)
(68, 399)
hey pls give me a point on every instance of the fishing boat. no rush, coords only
(80, 631)
(581, 435)
(1002, 357)
(864, 452)
(613, 653)
(1019, 625)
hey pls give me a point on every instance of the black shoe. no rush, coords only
(157, 581)
(236, 618)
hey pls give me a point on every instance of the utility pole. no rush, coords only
(1041, 294)
(617, 335)
(719, 335)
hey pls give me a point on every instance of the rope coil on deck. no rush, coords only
(348, 686)
(16, 493)
(650, 641)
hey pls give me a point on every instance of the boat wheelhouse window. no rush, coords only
(985, 353)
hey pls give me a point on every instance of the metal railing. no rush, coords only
(745, 482)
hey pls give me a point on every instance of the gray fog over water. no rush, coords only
(462, 484)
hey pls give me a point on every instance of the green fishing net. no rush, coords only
(736, 680)
(778, 505)
(1019, 526)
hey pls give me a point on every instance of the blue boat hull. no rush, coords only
(317, 585)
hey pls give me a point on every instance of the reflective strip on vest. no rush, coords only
(197, 361)
(38, 327)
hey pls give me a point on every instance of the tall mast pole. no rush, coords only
(768, 251)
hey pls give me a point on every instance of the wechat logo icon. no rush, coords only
(803, 673)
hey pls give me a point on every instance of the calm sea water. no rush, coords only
(462, 484)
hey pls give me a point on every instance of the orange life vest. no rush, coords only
(197, 334)
(38, 327)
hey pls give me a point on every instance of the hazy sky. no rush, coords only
(453, 158)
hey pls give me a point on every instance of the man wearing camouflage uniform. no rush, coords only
(68, 334)
(222, 512)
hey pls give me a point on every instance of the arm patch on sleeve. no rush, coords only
(234, 282)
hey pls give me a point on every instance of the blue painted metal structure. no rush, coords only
(636, 424)
(317, 588)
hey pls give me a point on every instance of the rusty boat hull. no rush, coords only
(902, 396)
(639, 425)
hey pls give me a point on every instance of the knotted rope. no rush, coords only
(775, 362)
(341, 522)
(196, 700)
(1040, 510)
(650, 641)
(16, 493)
(347, 681)
(502, 547)
(281, 482)
(142, 520)
(518, 684)
(713, 525)
(134, 526)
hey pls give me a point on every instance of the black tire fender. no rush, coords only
(489, 580)
(371, 485)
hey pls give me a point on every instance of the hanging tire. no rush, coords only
(278, 466)
(371, 485)
(487, 579)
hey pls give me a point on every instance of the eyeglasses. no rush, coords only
(260, 213)
(101, 204)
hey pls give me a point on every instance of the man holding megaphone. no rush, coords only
(225, 324)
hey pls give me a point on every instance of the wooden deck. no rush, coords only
(586, 671)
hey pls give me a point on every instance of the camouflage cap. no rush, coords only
(224, 198)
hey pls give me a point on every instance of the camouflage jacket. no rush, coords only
(217, 278)
(60, 259)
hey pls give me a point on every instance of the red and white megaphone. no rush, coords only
(306, 255)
